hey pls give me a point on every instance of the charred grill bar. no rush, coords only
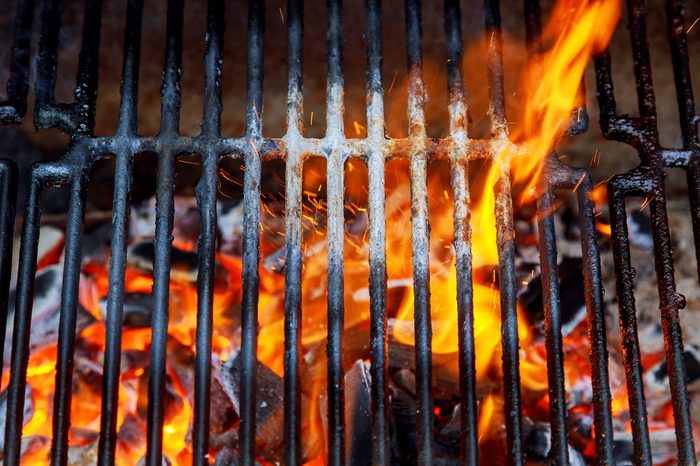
(647, 180)
(72, 171)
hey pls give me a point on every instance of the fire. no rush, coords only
(549, 93)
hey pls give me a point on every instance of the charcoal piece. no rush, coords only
(572, 300)
(82, 455)
(640, 232)
(132, 360)
(572, 229)
(269, 435)
(230, 226)
(180, 363)
(137, 310)
(691, 362)
(226, 457)
(132, 433)
(403, 417)
(96, 243)
(165, 461)
(449, 437)
(663, 452)
(46, 312)
(358, 420)
(221, 413)
(34, 444)
(538, 445)
(184, 264)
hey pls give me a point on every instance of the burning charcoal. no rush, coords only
(663, 451)
(82, 456)
(96, 244)
(656, 379)
(50, 247)
(358, 422)
(221, 413)
(269, 436)
(132, 433)
(28, 410)
(142, 219)
(450, 435)
(275, 262)
(538, 445)
(164, 462)
(34, 444)
(230, 223)
(639, 227)
(186, 219)
(571, 296)
(46, 312)
(403, 412)
(184, 264)
(132, 360)
(226, 457)
(138, 308)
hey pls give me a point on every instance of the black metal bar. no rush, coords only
(129, 90)
(628, 321)
(8, 202)
(45, 83)
(169, 128)
(22, 321)
(293, 186)
(115, 307)
(552, 328)
(677, 36)
(381, 448)
(597, 332)
(457, 108)
(88, 67)
(68, 318)
(159, 320)
(15, 107)
(122, 182)
(251, 232)
(206, 250)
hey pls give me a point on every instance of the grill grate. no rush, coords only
(647, 180)
(71, 171)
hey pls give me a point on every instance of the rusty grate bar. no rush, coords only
(647, 180)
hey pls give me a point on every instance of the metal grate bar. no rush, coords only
(548, 265)
(206, 248)
(648, 180)
(117, 267)
(23, 311)
(14, 108)
(457, 107)
(420, 233)
(169, 128)
(376, 155)
(8, 201)
(251, 237)
(293, 234)
(675, 19)
(504, 238)
(335, 170)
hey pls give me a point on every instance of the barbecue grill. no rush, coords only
(72, 172)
